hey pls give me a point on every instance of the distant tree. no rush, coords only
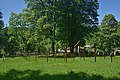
(109, 30)
(118, 36)
(106, 38)
(1, 21)
(1, 31)
(3, 53)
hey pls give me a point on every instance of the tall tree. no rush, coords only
(25, 34)
(1, 31)
(77, 19)
(108, 29)
(66, 21)
(106, 38)
(1, 21)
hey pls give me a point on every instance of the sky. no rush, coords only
(8, 6)
(109, 7)
(105, 7)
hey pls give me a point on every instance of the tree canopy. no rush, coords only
(107, 37)
(52, 24)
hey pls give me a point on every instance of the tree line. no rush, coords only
(52, 24)
(107, 36)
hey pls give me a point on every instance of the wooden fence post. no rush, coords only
(104, 55)
(66, 57)
(47, 57)
(35, 53)
(84, 55)
(54, 56)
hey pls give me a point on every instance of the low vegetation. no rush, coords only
(19, 68)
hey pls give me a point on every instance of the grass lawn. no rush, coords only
(20, 69)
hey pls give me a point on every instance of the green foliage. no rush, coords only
(109, 30)
(2, 51)
(52, 23)
(2, 36)
(1, 21)
(64, 20)
(107, 36)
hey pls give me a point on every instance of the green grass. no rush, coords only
(20, 69)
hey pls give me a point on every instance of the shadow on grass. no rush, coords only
(37, 75)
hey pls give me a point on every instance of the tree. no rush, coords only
(118, 36)
(3, 37)
(45, 22)
(3, 53)
(67, 20)
(1, 21)
(77, 19)
(13, 32)
(21, 33)
(106, 37)
(109, 29)
(1, 31)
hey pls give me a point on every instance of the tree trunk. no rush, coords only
(104, 55)
(53, 49)
(71, 49)
(76, 51)
(109, 45)
(54, 56)
(53, 43)
(95, 52)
